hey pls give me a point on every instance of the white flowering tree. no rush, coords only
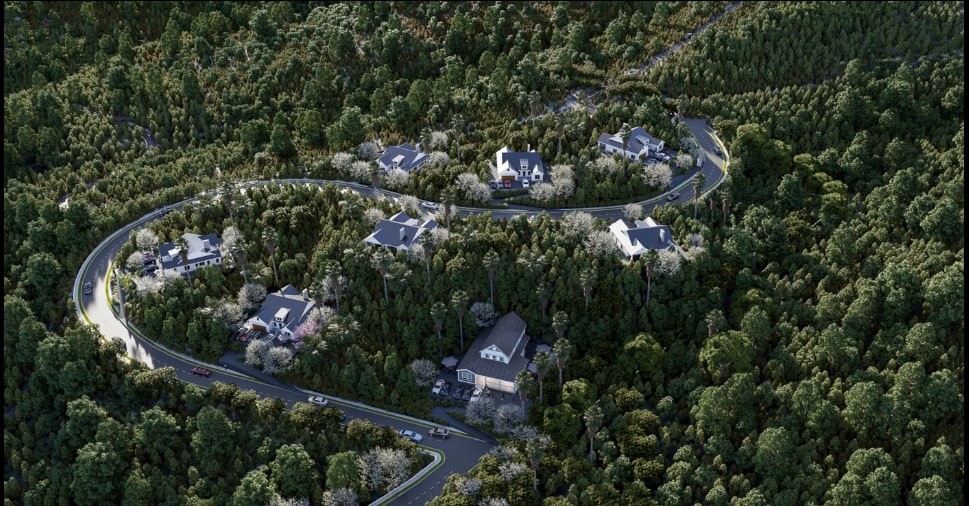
(146, 240)
(484, 314)
(438, 140)
(135, 261)
(606, 165)
(474, 190)
(578, 224)
(372, 216)
(251, 296)
(599, 243)
(632, 211)
(255, 352)
(383, 469)
(543, 192)
(424, 371)
(341, 162)
(397, 179)
(657, 175)
(277, 359)
(367, 151)
(439, 159)
(409, 204)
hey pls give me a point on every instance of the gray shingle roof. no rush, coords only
(638, 140)
(514, 159)
(399, 232)
(407, 156)
(197, 251)
(505, 334)
(289, 298)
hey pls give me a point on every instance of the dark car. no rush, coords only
(718, 151)
(201, 371)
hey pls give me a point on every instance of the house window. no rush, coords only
(187, 267)
(466, 376)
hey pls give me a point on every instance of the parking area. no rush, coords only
(455, 391)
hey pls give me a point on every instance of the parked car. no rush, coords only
(318, 401)
(201, 371)
(458, 392)
(466, 396)
(413, 436)
(673, 196)
(446, 389)
(430, 205)
(88, 288)
(476, 394)
(718, 151)
(437, 387)
(525, 183)
(438, 432)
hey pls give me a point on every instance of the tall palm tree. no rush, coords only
(270, 240)
(491, 262)
(460, 302)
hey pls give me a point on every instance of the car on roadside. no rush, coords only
(88, 288)
(317, 400)
(201, 371)
(673, 196)
(438, 432)
(718, 151)
(409, 434)
(437, 387)
(430, 205)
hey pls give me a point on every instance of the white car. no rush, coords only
(413, 436)
(437, 387)
(476, 394)
(318, 401)
(525, 183)
(88, 288)
(430, 205)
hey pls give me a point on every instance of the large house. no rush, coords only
(400, 232)
(198, 251)
(282, 313)
(495, 359)
(639, 145)
(513, 166)
(637, 238)
(404, 157)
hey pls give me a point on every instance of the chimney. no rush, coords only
(529, 148)
(306, 294)
(662, 235)
(403, 234)
(206, 245)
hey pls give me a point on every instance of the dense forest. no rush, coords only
(807, 349)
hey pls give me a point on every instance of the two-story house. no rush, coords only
(194, 252)
(496, 358)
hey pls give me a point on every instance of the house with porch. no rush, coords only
(495, 358)
(639, 145)
(404, 157)
(511, 166)
(400, 232)
(195, 252)
(636, 238)
(282, 313)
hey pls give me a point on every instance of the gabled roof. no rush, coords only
(639, 141)
(287, 302)
(399, 232)
(200, 248)
(513, 160)
(636, 238)
(506, 334)
(406, 156)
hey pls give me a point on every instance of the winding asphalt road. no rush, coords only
(460, 452)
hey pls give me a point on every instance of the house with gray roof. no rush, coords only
(635, 239)
(518, 165)
(198, 251)
(639, 145)
(495, 358)
(400, 232)
(282, 313)
(404, 157)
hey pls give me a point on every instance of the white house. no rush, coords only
(282, 313)
(199, 251)
(518, 166)
(404, 157)
(495, 359)
(639, 145)
(637, 238)
(400, 232)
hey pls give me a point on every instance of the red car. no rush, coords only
(201, 371)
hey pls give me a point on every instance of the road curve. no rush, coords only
(460, 452)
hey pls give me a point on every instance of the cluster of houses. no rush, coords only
(524, 168)
(498, 355)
